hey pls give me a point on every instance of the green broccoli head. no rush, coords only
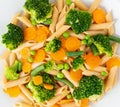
(49, 66)
(39, 10)
(77, 63)
(11, 73)
(89, 87)
(40, 94)
(79, 21)
(13, 37)
(53, 45)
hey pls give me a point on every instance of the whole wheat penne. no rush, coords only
(115, 47)
(79, 4)
(59, 4)
(27, 93)
(94, 5)
(25, 21)
(34, 65)
(37, 46)
(59, 32)
(5, 54)
(55, 19)
(72, 104)
(104, 59)
(109, 19)
(72, 6)
(82, 47)
(12, 58)
(67, 75)
(116, 79)
(22, 104)
(23, 74)
(24, 98)
(111, 77)
(14, 19)
(95, 32)
(53, 72)
(19, 81)
(101, 26)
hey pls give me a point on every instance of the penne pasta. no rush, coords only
(101, 26)
(22, 104)
(25, 21)
(27, 93)
(23, 74)
(54, 18)
(12, 58)
(59, 32)
(82, 47)
(72, 6)
(14, 19)
(5, 55)
(19, 81)
(53, 72)
(115, 47)
(67, 75)
(110, 19)
(79, 4)
(104, 59)
(72, 104)
(59, 4)
(37, 46)
(94, 5)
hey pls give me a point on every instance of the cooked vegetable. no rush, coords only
(39, 10)
(66, 66)
(63, 40)
(76, 75)
(37, 80)
(101, 42)
(49, 66)
(48, 86)
(69, 96)
(65, 81)
(72, 43)
(60, 66)
(60, 75)
(92, 60)
(84, 102)
(47, 21)
(40, 94)
(33, 52)
(53, 46)
(78, 53)
(25, 52)
(99, 15)
(13, 38)
(89, 87)
(66, 34)
(79, 21)
(114, 38)
(59, 55)
(30, 59)
(39, 68)
(104, 73)
(11, 72)
(77, 63)
(56, 105)
(68, 2)
(13, 91)
(26, 67)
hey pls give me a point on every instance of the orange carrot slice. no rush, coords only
(84, 102)
(26, 67)
(25, 52)
(48, 86)
(63, 40)
(72, 43)
(38, 80)
(56, 105)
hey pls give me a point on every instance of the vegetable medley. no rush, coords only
(60, 55)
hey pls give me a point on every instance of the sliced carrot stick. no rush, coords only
(37, 80)
(30, 33)
(25, 52)
(26, 67)
(92, 61)
(84, 102)
(59, 55)
(72, 43)
(48, 86)
(40, 55)
(99, 15)
(114, 61)
(13, 91)
(76, 75)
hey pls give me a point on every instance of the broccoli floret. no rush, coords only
(53, 45)
(89, 87)
(40, 94)
(39, 10)
(99, 44)
(79, 21)
(12, 72)
(77, 63)
(13, 37)
(49, 66)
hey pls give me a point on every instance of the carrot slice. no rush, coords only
(45, 29)
(84, 102)
(48, 86)
(30, 33)
(99, 16)
(38, 80)
(92, 61)
(59, 55)
(13, 91)
(40, 55)
(114, 61)
(25, 52)
(76, 75)
(26, 67)
(72, 43)
(56, 105)
(63, 40)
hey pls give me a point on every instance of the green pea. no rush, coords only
(60, 75)
(30, 59)
(68, 2)
(69, 96)
(33, 52)
(66, 34)
(104, 73)
(66, 66)
(60, 66)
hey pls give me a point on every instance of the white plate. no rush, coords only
(9, 7)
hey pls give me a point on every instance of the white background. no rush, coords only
(9, 7)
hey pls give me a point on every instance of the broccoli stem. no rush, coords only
(69, 54)
(65, 81)
(39, 68)
(114, 38)
(94, 49)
